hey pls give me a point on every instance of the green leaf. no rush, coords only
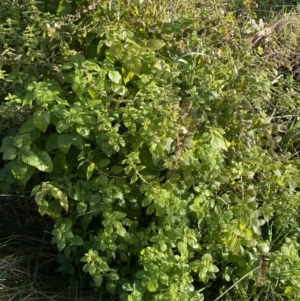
(111, 287)
(39, 196)
(264, 246)
(21, 171)
(99, 46)
(43, 207)
(95, 199)
(146, 202)
(45, 162)
(21, 141)
(97, 280)
(64, 8)
(77, 58)
(134, 178)
(61, 197)
(54, 210)
(77, 141)
(30, 158)
(116, 169)
(103, 266)
(114, 76)
(127, 76)
(7, 142)
(68, 234)
(103, 163)
(89, 171)
(182, 247)
(218, 143)
(68, 223)
(83, 131)
(81, 207)
(116, 50)
(152, 286)
(51, 142)
(124, 297)
(91, 66)
(41, 119)
(27, 126)
(61, 243)
(155, 44)
(119, 215)
(76, 240)
(128, 287)
(150, 209)
(64, 142)
(10, 154)
(133, 64)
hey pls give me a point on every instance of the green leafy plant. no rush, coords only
(148, 141)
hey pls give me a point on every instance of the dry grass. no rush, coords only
(28, 260)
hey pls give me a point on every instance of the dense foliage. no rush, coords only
(147, 132)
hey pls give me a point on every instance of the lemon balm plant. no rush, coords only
(147, 143)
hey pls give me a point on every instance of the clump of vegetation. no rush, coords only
(159, 142)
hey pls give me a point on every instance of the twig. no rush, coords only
(234, 285)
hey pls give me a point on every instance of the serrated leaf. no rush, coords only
(155, 44)
(10, 154)
(27, 126)
(41, 119)
(64, 142)
(7, 142)
(21, 171)
(91, 66)
(218, 143)
(116, 50)
(114, 76)
(133, 64)
(21, 141)
(45, 162)
(30, 158)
